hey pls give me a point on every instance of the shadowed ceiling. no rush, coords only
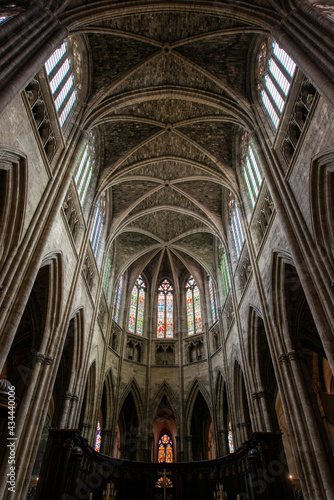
(170, 101)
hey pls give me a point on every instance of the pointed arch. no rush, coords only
(109, 400)
(196, 388)
(199, 420)
(13, 194)
(165, 390)
(242, 414)
(132, 387)
(88, 405)
(322, 203)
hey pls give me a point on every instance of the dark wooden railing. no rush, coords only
(73, 470)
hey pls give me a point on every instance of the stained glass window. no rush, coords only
(84, 168)
(165, 449)
(136, 317)
(98, 437)
(62, 69)
(98, 226)
(117, 300)
(194, 317)
(212, 300)
(276, 71)
(230, 437)
(225, 274)
(165, 310)
(251, 169)
(106, 275)
(237, 232)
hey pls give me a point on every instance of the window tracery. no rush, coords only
(106, 274)
(213, 301)
(165, 449)
(84, 169)
(225, 274)
(165, 310)
(236, 228)
(275, 73)
(194, 317)
(136, 317)
(251, 169)
(117, 300)
(98, 226)
(63, 71)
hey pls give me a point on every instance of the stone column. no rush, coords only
(223, 442)
(261, 401)
(307, 36)
(313, 455)
(188, 450)
(26, 42)
(106, 441)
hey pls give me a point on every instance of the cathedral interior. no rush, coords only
(167, 249)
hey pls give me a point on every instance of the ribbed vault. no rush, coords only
(170, 100)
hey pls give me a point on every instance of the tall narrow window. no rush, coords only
(106, 275)
(251, 169)
(194, 317)
(225, 274)
(98, 226)
(230, 435)
(276, 70)
(165, 310)
(212, 300)
(117, 300)
(62, 69)
(165, 450)
(136, 317)
(237, 233)
(98, 437)
(84, 169)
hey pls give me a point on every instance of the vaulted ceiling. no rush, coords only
(170, 99)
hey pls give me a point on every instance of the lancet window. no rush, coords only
(194, 316)
(98, 226)
(84, 168)
(251, 169)
(213, 301)
(136, 317)
(62, 69)
(165, 310)
(165, 449)
(225, 274)
(276, 71)
(117, 300)
(237, 232)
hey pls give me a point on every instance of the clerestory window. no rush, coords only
(225, 274)
(62, 69)
(236, 228)
(165, 310)
(136, 317)
(95, 237)
(213, 301)
(194, 316)
(251, 169)
(84, 169)
(276, 71)
(117, 300)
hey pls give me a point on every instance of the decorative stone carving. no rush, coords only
(41, 118)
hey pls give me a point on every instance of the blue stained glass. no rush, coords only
(136, 316)
(165, 310)
(98, 437)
